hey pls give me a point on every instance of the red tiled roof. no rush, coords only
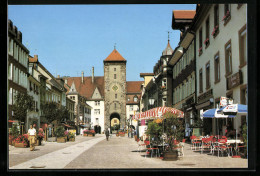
(114, 56)
(184, 14)
(87, 88)
(33, 59)
(133, 86)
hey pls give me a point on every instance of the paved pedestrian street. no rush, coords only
(118, 152)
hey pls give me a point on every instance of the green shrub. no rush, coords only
(59, 131)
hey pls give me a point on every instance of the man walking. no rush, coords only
(107, 134)
(32, 135)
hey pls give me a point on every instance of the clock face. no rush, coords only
(114, 87)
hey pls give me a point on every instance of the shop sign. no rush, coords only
(223, 101)
(234, 80)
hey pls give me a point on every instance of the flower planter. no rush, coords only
(20, 145)
(85, 134)
(117, 134)
(72, 139)
(170, 155)
(61, 139)
(91, 135)
(122, 135)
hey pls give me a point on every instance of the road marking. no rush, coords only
(57, 159)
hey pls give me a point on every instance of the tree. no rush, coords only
(23, 103)
(174, 128)
(53, 112)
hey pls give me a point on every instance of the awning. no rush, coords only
(158, 112)
(212, 113)
(12, 121)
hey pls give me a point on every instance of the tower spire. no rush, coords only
(114, 46)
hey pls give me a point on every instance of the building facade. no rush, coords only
(221, 57)
(17, 67)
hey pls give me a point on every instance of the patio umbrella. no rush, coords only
(234, 109)
(212, 113)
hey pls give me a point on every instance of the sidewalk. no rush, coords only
(21, 155)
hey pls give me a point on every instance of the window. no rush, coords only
(243, 46)
(227, 13)
(128, 99)
(114, 69)
(115, 106)
(243, 94)
(10, 71)
(208, 75)
(216, 16)
(131, 108)
(217, 68)
(96, 111)
(200, 80)
(114, 76)
(135, 99)
(115, 96)
(97, 103)
(228, 58)
(207, 32)
(11, 47)
(10, 96)
(200, 41)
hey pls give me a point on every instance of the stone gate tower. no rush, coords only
(115, 89)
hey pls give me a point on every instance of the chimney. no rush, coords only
(82, 77)
(58, 76)
(92, 74)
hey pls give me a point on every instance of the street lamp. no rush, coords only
(151, 101)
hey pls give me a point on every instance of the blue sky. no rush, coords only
(69, 39)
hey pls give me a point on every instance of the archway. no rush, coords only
(114, 122)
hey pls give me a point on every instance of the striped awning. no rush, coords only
(158, 112)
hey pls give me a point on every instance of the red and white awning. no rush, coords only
(158, 112)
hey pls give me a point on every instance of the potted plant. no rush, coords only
(22, 141)
(40, 136)
(215, 31)
(226, 16)
(71, 136)
(154, 129)
(89, 133)
(66, 133)
(85, 133)
(174, 129)
(59, 132)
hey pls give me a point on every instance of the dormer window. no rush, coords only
(135, 99)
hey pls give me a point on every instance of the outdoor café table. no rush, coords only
(234, 142)
(160, 147)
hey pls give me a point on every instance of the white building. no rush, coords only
(221, 56)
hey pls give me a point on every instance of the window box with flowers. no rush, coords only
(226, 17)
(200, 51)
(163, 87)
(215, 31)
(206, 42)
(21, 141)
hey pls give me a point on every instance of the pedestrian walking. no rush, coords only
(32, 135)
(107, 134)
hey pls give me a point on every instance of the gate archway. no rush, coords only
(114, 120)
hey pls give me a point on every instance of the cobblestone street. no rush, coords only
(118, 152)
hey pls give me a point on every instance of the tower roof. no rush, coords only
(168, 50)
(114, 56)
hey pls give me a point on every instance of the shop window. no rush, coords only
(228, 58)
(217, 68)
(243, 46)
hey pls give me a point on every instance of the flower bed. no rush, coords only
(71, 136)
